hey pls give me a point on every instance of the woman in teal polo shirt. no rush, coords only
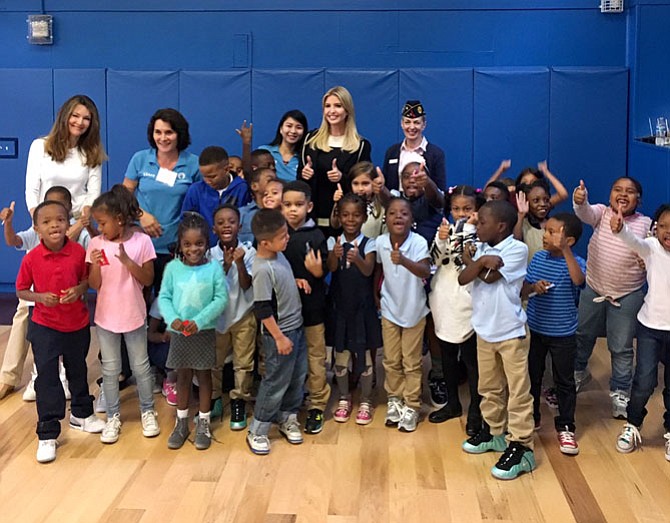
(160, 177)
(287, 143)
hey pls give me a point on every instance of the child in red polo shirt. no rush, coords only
(56, 272)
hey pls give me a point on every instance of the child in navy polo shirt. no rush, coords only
(498, 268)
(218, 186)
(56, 272)
(554, 278)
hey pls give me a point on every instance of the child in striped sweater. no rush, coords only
(613, 294)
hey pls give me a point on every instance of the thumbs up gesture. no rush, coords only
(616, 222)
(579, 194)
(337, 195)
(353, 254)
(443, 231)
(338, 250)
(378, 182)
(396, 255)
(7, 213)
(308, 169)
(421, 176)
(334, 175)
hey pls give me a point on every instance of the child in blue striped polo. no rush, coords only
(553, 282)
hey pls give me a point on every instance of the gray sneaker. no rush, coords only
(620, 401)
(409, 420)
(582, 377)
(203, 437)
(179, 434)
(291, 429)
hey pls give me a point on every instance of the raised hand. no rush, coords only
(443, 230)
(334, 175)
(308, 169)
(228, 256)
(246, 132)
(421, 177)
(542, 166)
(505, 165)
(338, 250)
(238, 254)
(579, 194)
(353, 253)
(616, 222)
(378, 182)
(7, 213)
(473, 219)
(396, 255)
(313, 261)
(337, 195)
(522, 203)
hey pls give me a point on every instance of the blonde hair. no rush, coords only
(57, 142)
(352, 140)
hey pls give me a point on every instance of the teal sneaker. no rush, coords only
(483, 441)
(516, 459)
(238, 414)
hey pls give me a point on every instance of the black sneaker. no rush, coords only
(516, 459)
(314, 423)
(473, 426)
(449, 411)
(238, 414)
(438, 392)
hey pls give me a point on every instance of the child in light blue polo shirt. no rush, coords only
(404, 262)
(498, 269)
(257, 181)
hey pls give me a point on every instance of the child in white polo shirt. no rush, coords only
(498, 268)
(404, 261)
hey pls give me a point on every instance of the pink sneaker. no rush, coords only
(170, 392)
(343, 412)
(364, 415)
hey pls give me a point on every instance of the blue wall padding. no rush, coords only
(132, 98)
(27, 112)
(215, 103)
(275, 92)
(651, 166)
(588, 128)
(91, 82)
(375, 96)
(447, 96)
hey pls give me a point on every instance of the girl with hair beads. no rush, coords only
(121, 263)
(193, 295)
(653, 326)
(614, 287)
(452, 322)
(533, 206)
(366, 182)
(351, 259)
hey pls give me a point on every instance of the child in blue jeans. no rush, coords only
(277, 306)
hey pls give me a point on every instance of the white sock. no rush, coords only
(182, 413)
(205, 415)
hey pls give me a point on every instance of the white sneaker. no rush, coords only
(629, 439)
(101, 404)
(620, 401)
(291, 430)
(150, 426)
(29, 393)
(258, 443)
(394, 410)
(409, 420)
(110, 434)
(46, 450)
(92, 424)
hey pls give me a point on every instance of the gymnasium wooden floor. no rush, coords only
(346, 474)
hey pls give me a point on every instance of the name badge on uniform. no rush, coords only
(394, 160)
(166, 176)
